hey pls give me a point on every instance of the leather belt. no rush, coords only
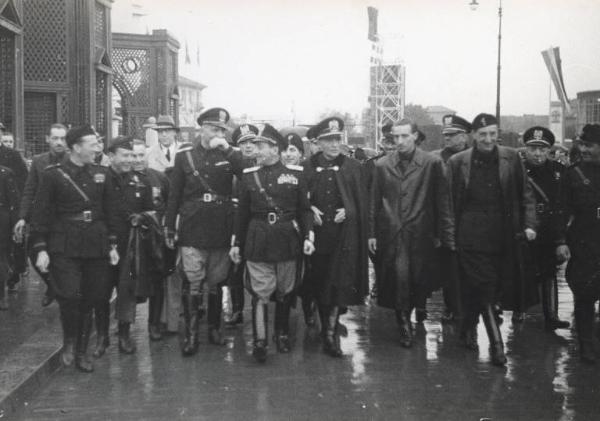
(83, 216)
(213, 198)
(274, 217)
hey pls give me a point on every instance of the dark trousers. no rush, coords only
(480, 278)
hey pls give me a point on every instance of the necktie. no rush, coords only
(168, 155)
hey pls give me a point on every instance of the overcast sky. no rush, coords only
(259, 57)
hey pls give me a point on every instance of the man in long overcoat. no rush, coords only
(494, 210)
(409, 217)
(338, 272)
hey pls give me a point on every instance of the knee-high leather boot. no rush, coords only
(215, 306)
(584, 322)
(282, 325)
(495, 338)
(550, 305)
(308, 309)
(102, 316)
(403, 320)
(155, 305)
(191, 323)
(82, 361)
(468, 329)
(126, 345)
(259, 330)
(331, 337)
(69, 321)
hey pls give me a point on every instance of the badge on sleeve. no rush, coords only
(99, 178)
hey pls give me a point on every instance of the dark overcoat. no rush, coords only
(518, 289)
(409, 213)
(349, 267)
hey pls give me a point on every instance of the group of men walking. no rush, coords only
(478, 221)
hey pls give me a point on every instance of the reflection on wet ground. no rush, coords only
(377, 379)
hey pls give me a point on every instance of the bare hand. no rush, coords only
(317, 215)
(113, 256)
(340, 215)
(19, 231)
(563, 253)
(530, 234)
(372, 242)
(43, 261)
(234, 255)
(309, 247)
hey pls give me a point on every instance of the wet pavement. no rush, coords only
(377, 379)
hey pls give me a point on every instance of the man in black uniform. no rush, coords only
(243, 137)
(201, 188)
(339, 202)
(56, 154)
(9, 208)
(544, 178)
(274, 214)
(11, 158)
(159, 183)
(579, 236)
(455, 130)
(73, 231)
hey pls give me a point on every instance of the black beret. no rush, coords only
(121, 142)
(538, 136)
(483, 120)
(455, 124)
(270, 135)
(244, 133)
(294, 140)
(590, 133)
(214, 116)
(330, 127)
(76, 133)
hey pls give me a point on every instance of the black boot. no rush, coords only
(468, 330)
(308, 309)
(403, 320)
(259, 330)
(82, 362)
(495, 338)
(331, 337)
(420, 315)
(126, 345)
(68, 319)
(447, 316)
(550, 306)
(584, 322)
(237, 307)
(154, 312)
(517, 317)
(191, 323)
(282, 325)
(102, 316)
(215, 305)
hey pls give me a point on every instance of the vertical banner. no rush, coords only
(553, 63)
(373, 24)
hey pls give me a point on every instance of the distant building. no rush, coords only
(437, 112)
(588, 108)
(520, 123)
(190, 101)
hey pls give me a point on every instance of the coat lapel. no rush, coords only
(503, 168)
(466, 167)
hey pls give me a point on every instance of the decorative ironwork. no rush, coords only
(101, 94)
(64, 108)
(100, 24)
(7, 77)
(37, 123)
(135, 83)
(45, 40)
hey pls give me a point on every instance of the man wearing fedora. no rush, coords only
(162, 155)
(201, 190)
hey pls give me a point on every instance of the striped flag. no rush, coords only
(553, 63)
(373, 36)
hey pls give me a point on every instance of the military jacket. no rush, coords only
(159, 183)
(9, 199)
(271, 224)
(134, 194)
(38, 165)
(11, 158)
(64, 221)
(201, 184)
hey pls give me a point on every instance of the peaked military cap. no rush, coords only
(331, 127)
(121, 142)
(455, 124)
(165, 122)
(483, 120)
(590, 133)
(214, 116)
(294, 140)
(244, 133)
(270, 135)
(76, 133)
(538, 136)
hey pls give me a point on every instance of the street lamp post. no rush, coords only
(473, 6)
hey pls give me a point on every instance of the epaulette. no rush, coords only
(251, 169)
(187, 146)
(49, 167)
(295, 167)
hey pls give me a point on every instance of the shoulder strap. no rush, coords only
(190, 160)
(538, 189)
(582, 176)
(70, 180)
(266, 195)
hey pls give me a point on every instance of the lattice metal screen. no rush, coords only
(36, 124)
(100, 24)
(7, 77)
(101, 103)
(132, 75)
(45, 40)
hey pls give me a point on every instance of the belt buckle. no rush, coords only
(207, 197)
(540, 207)
(598, 213)
(272, 217)
(87, 216)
